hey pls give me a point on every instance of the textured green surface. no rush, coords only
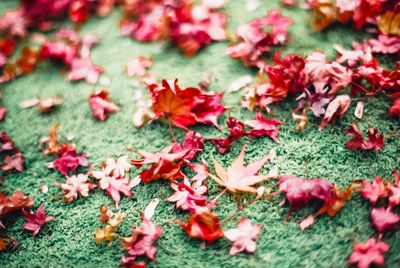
(69, 241)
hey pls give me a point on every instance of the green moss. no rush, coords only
(69, 241)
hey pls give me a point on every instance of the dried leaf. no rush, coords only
(239, 178)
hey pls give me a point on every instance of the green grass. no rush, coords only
(68, 241)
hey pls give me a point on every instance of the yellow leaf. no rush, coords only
(389, 23)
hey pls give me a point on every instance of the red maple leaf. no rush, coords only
(68, 160)
(375, 141)
(34, 221)
(16, 201)
(185, 107)
(394, 198)
(162, 170)
(243, 237)
(101, 105)
(164, 164)
(193, 142)
(236, 130)
(263, 127)
(374, 191)
(14, 162)
(3, 111)
(6, 143)
(189, 196)
(203, 225)
(299, 192)
(371, 252)
(384, 220)
(395, 108)
(114, 185)
(336, 108)
(255, 41)
(141, 243)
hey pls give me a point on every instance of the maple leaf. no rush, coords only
(185, 107)
(189, 196)
(77, 185)
(384, 220)
(163, 170)
(394, 199)
(239, 178)
(141, 243)
(204, 225)
(68, 160)
(394, 110)
(165, 164)
(45, 105)
(385, 44)
(16, 201)
(389, 23)
(209, 108)
(52, 142)
(338, 201)
(14, 22)
(14, 162)
(193, 142)
(262, 126)
(117, 167)
(375, 141)
(3, 112)
(107, 233)
(243, 237)
(299, 192)
(3, 244)
(236, 130)
(339, 198)
(371, 252)
(254, 41)
(82, 68)
(175, 103)
(138, 66)
(115, 185)
(35, 221)
(372, 192)
(101, 105)
(166, 154)
(105, 213)
(336, 108)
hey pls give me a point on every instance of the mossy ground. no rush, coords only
(69, 242)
